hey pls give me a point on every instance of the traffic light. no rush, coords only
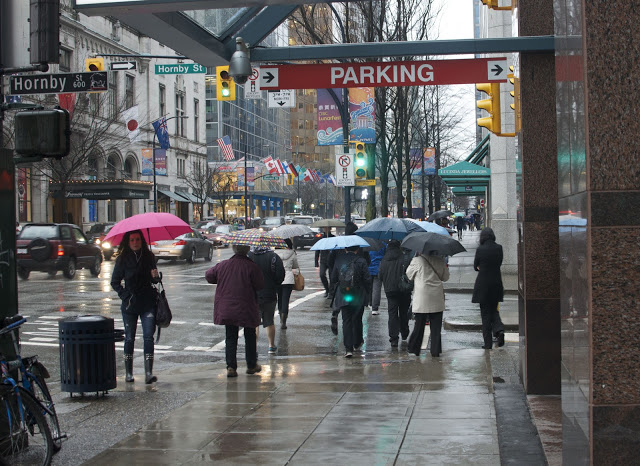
(490, 3)
(360, 161)
(515, 93)
(94, 64)
(491, 105)
(225, 85)
(42, 133)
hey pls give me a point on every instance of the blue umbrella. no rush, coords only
(432, 227)
(339, 242)
(388, 228)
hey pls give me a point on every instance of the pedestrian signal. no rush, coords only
(225, 85)
(94, 64)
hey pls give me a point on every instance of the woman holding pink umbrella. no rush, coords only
(136, 265)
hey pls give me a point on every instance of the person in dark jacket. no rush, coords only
(460, 225)
(392, 267)
(273, 272)
(322, 263)
(488, 290)
(350, 229)
(239, 280)
(351, 302)
(136, 265)
(376, 283)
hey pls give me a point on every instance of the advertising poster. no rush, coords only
(161, 162)
(415, 155)
(363, 118)
(430, 161)
(240, 177)
(329, 121)
(251, 177)
(147, 162)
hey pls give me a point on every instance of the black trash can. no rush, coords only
(87, 354)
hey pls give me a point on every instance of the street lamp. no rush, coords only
(155, 186)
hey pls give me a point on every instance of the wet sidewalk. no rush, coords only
(380, 407)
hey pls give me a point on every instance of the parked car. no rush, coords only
(310, 238)
(269, 223)
(215, 234)
(189, 246)
(96, 235)
(49, 247)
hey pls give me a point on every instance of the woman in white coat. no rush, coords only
(428, 273)
(291, 268)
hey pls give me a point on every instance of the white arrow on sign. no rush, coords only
(284, 98)
(123, 65)
(268, 77)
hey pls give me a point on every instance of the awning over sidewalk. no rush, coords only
(172, 195)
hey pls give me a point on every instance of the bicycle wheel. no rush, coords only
(25, 439)
(41, 393)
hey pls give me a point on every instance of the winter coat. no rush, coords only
(290, 263)
(488, 287)
(236, 302)
(137, 295)
(361, 270)
(428, 273)
(322, 257)
(392, 267)
(272, 270)
(376, 258)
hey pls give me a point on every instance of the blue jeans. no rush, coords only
(148, 320)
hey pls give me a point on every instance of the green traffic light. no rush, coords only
(360, 162)
(225, 90)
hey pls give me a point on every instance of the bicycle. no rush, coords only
(32, 379)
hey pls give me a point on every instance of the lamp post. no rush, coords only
(155, 186)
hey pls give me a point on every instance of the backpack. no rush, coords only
(347, 280)
(163, 311)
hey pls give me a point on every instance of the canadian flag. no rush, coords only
(271, 165)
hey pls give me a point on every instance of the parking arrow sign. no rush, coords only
(122, 65)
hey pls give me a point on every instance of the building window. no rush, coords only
(179, 113)
(65, 60)
(163, 100)
(113, 96)
(181, 167)
(129, 90)
(196, 119)
(111, 171)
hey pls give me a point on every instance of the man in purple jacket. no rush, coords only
(236, 305)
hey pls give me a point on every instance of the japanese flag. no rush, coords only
(130, 117)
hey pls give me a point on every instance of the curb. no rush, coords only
(468, 326)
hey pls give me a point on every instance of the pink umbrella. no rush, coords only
(155, 226)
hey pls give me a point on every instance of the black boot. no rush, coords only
(283, 321)
(128, 367)
(148, 369)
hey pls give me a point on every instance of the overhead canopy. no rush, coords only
(465, 174)
(172, 195)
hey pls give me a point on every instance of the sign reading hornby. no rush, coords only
(391, 74)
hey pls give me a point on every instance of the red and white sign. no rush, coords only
(385, 74)
(481, 202)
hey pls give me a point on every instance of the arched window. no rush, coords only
(112, 169)
(92, 168)
(130, 170)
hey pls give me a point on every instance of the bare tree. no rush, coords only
(201, 183)
(224, 184)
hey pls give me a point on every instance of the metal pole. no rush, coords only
(345, 135)
(246, 211)
(155, 186)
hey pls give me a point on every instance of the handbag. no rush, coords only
(405, 285)
(163, 311)
(298, 282)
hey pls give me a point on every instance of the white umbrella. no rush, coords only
(289, 231)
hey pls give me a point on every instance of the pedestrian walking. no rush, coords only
(460, 226)
(428, 274)
(273, 271)
(351, 275)
(376, 284)
(238, 281)
(488, 290)
(136, 265)
(392, 268)
(291, 268)
(322, 264)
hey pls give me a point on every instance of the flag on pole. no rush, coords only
(280, 167)
(307, 176)
(224, 143)
(293, 170)
(130, 117)
(319, 176)
(271, 165)
(285, 166)
(162, 132)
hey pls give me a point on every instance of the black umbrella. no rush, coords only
(439, 214)
(429, 243)
(374, 244)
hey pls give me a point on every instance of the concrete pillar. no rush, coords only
(538, 278)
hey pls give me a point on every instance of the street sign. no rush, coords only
(252, 86)
(122, 65)
(58, 83)
(345, 175)
(385, 74)
(180, 68)
(285, 98)
(365, 182)
(271, 177)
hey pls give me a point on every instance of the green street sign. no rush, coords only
(271, 177)
(180, 68)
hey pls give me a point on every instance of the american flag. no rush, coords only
(225, 146)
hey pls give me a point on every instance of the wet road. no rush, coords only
(192, 337)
